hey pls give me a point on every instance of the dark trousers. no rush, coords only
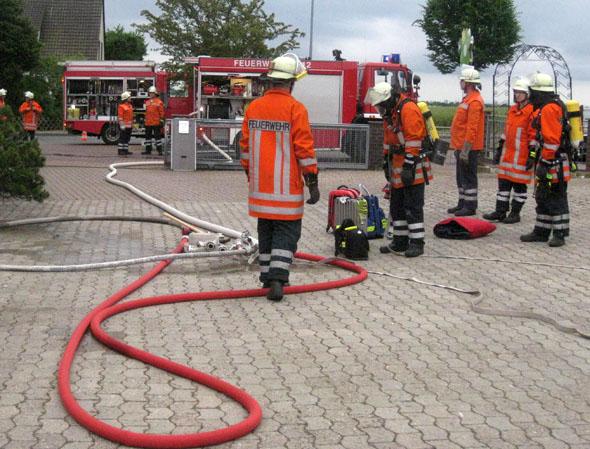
(467, 180)
(277, 245)
(29, 135)
(153, 132)
(406, 207)
(553, 212)
(124, 139)
(503, 197)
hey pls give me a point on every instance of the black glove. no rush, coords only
(543, 181)
(532, 156)
(498, 152)
(408, 169)
(311, 181)
(386, 168)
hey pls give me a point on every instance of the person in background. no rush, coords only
(512, 155)
(125, 119)
(550, 159)
(154, 114)
(277, 149)
(467, 139)
(2, 102)
(30, 111)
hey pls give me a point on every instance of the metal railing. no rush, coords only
(336, 146)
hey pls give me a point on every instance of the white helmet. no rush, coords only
(29, 94)
(522, 85)
(542, 82)
(287, 67)
(469, 74)
(125, 95)
(378, 94)
(2, 92)
(153, 89)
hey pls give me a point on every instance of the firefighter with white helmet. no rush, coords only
(278, 156)
(405, 169)
(550, 159)
(467, 139)
(512, 155)
(154, 115)
(30, 111)
(125, 119)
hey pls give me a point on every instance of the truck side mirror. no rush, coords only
(416, 79)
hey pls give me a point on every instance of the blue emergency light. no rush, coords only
(393, 58)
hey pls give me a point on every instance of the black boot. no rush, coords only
(557, 239)
(534, 237)
(415, 250)
(513, 217)
(452, 210)
(495, 216)
(464, 212)
(394, 247)
(276, 291)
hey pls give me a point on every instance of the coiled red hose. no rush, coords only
(110, 307)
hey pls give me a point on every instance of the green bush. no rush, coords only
(20, 162)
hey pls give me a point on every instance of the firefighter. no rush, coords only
(2, 101)
(154, 115)
(277, 149)
(549, 156)
(30, 110)
(407, 171)
(125, 119)
(512, 155)
(467, 139)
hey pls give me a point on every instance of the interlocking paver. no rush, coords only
(383, 364)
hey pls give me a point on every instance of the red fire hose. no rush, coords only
(110, 307)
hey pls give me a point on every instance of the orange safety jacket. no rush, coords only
(125, 118)
(154, 112)
(277, 148)
(30, 112)
(468, 123)
(2, 105)
(518, 135)
(548, 120)
(407, 120)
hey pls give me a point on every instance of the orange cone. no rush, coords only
(84, 137)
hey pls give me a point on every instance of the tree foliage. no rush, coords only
(217, 28)
(124, 46)
(19, 49)
(20, 162)
(493, 24)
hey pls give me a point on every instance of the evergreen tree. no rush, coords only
(493, 25)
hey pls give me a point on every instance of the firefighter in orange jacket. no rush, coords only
(405, 169)
(125, 119)
(154, 114)
(277, 149)
(467, 139)
(30, 110)
(550, 159)
(2, 102)
(512, 155)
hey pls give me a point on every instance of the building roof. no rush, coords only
(68, 28)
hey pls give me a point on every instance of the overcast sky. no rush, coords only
(364, 30)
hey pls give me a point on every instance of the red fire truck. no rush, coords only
(331, 91)
(92, 91)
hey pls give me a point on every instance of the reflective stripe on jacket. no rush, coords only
(277, 148)
(550, 123)
(30, 112)
(412, 132)
(518, 136)
(468, 123)
(125, 118)
(154, 112)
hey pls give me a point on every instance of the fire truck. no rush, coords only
(92, 91)
(332, 91)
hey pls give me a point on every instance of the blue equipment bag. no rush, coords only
(376, 219)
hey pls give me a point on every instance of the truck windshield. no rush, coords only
(392, 77)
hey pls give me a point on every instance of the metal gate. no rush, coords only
(336, 146)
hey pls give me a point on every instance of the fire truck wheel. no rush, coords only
(110, 134)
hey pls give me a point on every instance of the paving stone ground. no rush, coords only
(387, 363)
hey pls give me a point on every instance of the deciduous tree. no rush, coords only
(124, 45)
(493, 25)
